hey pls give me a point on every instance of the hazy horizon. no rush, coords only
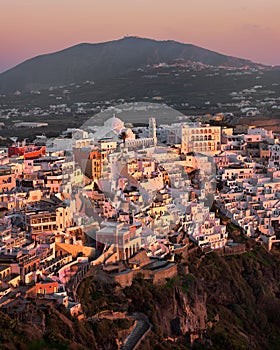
(247, 29)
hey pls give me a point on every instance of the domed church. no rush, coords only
(112, 129)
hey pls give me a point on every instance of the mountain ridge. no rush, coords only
(104, 60)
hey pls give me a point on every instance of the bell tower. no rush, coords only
(153, 130)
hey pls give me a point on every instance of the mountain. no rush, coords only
(105, 60)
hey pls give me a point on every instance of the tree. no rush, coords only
(123, 136)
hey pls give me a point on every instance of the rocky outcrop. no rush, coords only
(182, 315)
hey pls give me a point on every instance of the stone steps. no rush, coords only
(142, 326)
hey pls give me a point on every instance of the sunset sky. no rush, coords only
(243, 28)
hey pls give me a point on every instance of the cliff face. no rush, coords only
(181, 314)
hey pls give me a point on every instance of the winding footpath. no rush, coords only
(139, 332)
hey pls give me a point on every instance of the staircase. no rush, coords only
(142, 327)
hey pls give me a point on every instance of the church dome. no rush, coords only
(114, 124)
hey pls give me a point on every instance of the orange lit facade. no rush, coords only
(46, 287)
(91, 161)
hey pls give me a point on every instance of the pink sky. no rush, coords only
(243, 28)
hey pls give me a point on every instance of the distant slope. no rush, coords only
(101, 61)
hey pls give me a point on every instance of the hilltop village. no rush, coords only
(121, 202)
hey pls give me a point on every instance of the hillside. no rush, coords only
(101, 61)
(231, 302)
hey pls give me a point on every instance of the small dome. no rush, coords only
(129, 134)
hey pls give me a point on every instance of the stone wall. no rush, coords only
(231, 250)
(161, 275)
(125, 278)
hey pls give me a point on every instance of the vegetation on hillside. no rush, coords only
(238, 296)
